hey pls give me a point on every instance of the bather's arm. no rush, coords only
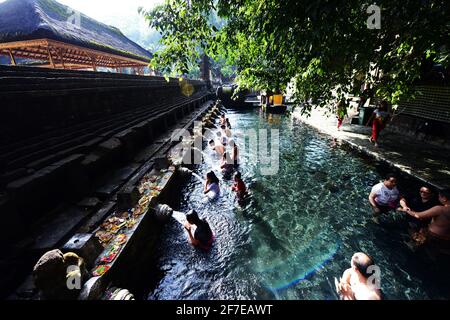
(372, 202)
(344, 287)
(192, 240)
(430, 213)
(403, 205)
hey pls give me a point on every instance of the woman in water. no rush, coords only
(212, 185)
(202, 236)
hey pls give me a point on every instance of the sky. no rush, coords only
(110, 11)
(118, 13)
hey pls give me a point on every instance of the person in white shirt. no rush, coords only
(385, 195)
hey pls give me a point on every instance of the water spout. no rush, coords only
(198, 178)
(185, 172)
(180, 217)
(163, 212)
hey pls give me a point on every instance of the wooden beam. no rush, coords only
(50, 58)
(27, 43)
(11, 57)
(61, 57)
(41, 49)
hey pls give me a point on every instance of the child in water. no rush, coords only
(212, 188)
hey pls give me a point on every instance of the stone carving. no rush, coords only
(59, 276)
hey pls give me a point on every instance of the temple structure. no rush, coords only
(46, 33)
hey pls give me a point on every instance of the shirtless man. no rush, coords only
(354, 284)
(439, 227)
(219, 148)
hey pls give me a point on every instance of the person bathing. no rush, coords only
(212, 188)
(384, 196)
(202, 236)
(356, 282)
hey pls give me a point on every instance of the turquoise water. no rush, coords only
(297, 232)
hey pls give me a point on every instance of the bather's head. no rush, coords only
(211, 177)
(237, 176)
(390, 181)
(212, 143)
(426, 193)
(361, 262)
(383, 105)
(192, 217)
(444, 196)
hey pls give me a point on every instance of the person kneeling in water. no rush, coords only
(203, 236)
(212, 185)
(354, 284)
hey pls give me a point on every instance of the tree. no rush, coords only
(325, 45)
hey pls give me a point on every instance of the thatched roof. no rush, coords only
(47, 19)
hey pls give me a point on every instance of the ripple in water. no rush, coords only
(297, 232)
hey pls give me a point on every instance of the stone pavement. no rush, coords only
(425, 162)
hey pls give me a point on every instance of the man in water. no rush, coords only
(384, 196)
(219, 148)
(424, 201)
(438, 232)
(356, 282)
(202, 237)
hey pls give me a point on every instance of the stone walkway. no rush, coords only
(425, 162)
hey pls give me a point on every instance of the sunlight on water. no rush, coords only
(296, 233)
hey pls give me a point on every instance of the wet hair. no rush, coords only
(193, 218)
(238, 175)
(445, 193)
(212, 177)
(389, 176)
(222, 127)
(211, 141)
(363, 266)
